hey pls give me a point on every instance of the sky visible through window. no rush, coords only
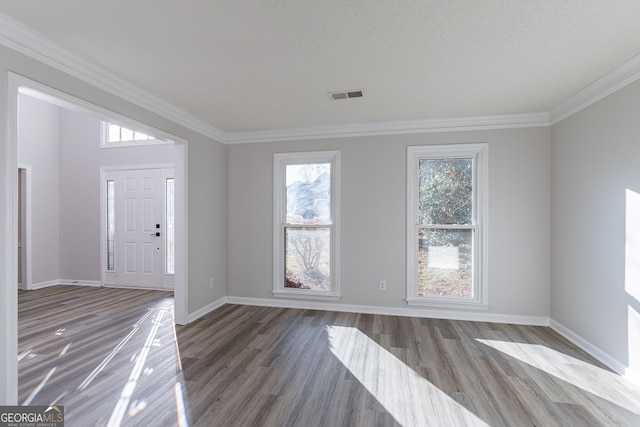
(306, 173)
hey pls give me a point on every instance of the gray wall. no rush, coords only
(80, 161)
(373, 217)
(38, 130)
(595, 288)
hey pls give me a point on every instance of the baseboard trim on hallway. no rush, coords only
(70, 282)
(206, 309)
(41, 285)
(94, 283)
(79, 282)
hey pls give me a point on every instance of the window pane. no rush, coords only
(111, 229)
(169, 239)
(445, 262)
(113, 133)
(126, 134)
(116, 134)
(307, 258)
(445, 191)
(308, 193)
(139, 136)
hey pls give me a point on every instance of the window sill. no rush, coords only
(306, 295)
(453, 304)
(125, 144)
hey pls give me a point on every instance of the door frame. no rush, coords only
(25, 198)
(16, 84)
(166, 170)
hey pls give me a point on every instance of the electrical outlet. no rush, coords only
(211, 282)
(383, 285)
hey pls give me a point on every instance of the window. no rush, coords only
(306, 188)
(114, 135)
(446, 217)
(111, 228)
(169, 252)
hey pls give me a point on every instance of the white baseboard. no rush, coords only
(94, 283)
(57, 282)
(206, 309)
(141, 288)
(596, 352)
(79, 282)
(394, 311)
(41, 285)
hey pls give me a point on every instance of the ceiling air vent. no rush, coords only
(345, 94)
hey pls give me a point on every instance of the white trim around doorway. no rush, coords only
(16, 84)
(26, 248)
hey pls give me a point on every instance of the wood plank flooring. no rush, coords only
(113, 357)
(79, 347)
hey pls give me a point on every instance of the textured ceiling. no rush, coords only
(248, 65)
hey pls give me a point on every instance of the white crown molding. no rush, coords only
(509, 121)
(616, 79)
(27, 41)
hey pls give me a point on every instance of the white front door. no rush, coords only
(137, 248)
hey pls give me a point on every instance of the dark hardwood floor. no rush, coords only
(113, 357)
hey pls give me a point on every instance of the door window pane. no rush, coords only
(445, 259)
(307, 258)
(169, 232)
(111, 228)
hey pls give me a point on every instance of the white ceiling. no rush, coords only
(261, 65)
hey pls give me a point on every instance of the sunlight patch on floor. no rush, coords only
(181, 410)
(121, 407)
(39, 387)
(381, 373)
(597, 381)
(65, 350)
(24, 354)
(136, 326)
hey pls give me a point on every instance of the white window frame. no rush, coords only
(105, 143)
(480, 290)
(281, 160)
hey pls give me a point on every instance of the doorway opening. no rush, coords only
(10, 236)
